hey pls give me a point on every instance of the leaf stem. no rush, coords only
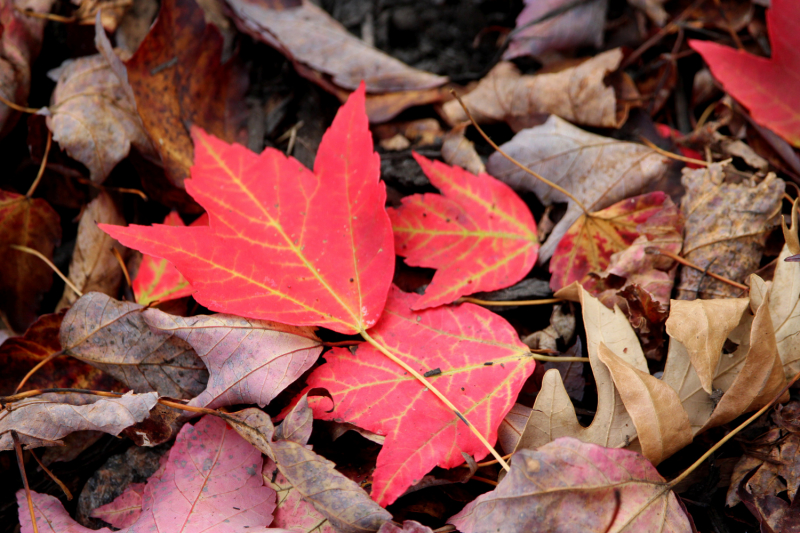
(21, 464)
(689, 264)
(487, 303)
(730, 435)
(381, 348)
(17, 107)
(47, 471)
(522, 167)
(49, 263)
(676, 157)
(36, 368)
(42, 166)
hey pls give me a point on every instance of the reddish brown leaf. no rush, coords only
(571, 486)
(178, 78)
(471, 355)
(763, 84)
(24, 278)
(479, 234)
(317, 253)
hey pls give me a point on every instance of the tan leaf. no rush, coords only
(726, 227)
(458, 150)
(662, 423)
(45, 420)
(598, 171)
(784, 307)
(94, 266)
(113, 336)
(702, 326)
(577, 94)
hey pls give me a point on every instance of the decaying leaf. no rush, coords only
(281, 258)
(598, 171)
(577, 94)
(726, 227)
(212, 481)
(578, 25)
(249, 361)
(179, 79)
(125, 510)
(45, 420)
(460, 151)
(471, 355)
(568, 485)
(478, 234)
(94, 268)
(653, 8)
(702, 326)
(24, 278)
(114, 337)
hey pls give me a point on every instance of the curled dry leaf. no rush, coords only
(179, 79)
(94, 268)
(114, 337)
(726, 228)
(125, 510)
(702, 326)
(598, 171)
(654, 10)
(471, 355)
(249, 361)
(578, 94)
(478, 234)
(568, 485)
(212, 481)
(409, 526)
(459, 151)
(18, 355)
(579, 25)
(45, 420)
(93, 114)
(24, 278)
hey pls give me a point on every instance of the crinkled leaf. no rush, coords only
(479, 234)
(284, 243)
(471, 355)
(45, 420)
(114, 337)
(568, 485)
(249, 361)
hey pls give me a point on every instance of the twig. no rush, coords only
(46, 16)
(52, 476)
(669, 28)
(685, 262)
(509, 302)
(484, 480)
(36, 368)
(49, 263)
(493, 461)
(17, 107)
(21, 464)
(42, 166)
(649, 144)
(125, 273)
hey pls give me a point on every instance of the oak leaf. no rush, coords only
(471, 355)
(24, 278)
(568, 485)
(478, 233)
(598, 171)
(45, 420)
(211, 482)
(317, 253)
(760, 83)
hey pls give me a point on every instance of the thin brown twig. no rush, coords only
(36, 368)
(21, 464)
(49, 263)
(665, 153)
(46, 16)
(487, 303)
(42, 166)
(17, 107)
(52, 476)
(517, 163)
(686, 262)
(493, 461)
(663, 32)
(121, 262)
(484, 480)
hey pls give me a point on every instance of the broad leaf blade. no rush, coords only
(471, 355)
(479, 234)
(283, 243)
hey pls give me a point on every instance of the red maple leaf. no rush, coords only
(158, 280)
(469, 353)
(768, 87)
(284, 243)
(479, 234)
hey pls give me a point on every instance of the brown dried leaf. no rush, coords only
(409, 526)
(24, 278)
(249, 361)
(18, 355)
(726, 227)
(577, 94)
(45, 420)
(654, 10)
(94, 268)
(702, 326)
(114, 337)
(178, 79)
(662, 424)
(599, 171)
(458, 150)
(568, 485)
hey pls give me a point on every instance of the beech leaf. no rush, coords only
(212, 482)
(598, 171)
(759, 83)
(479, 234)
(316, 252)
(568, 485)
(471, 355)
(249, 361)
(45, 420)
